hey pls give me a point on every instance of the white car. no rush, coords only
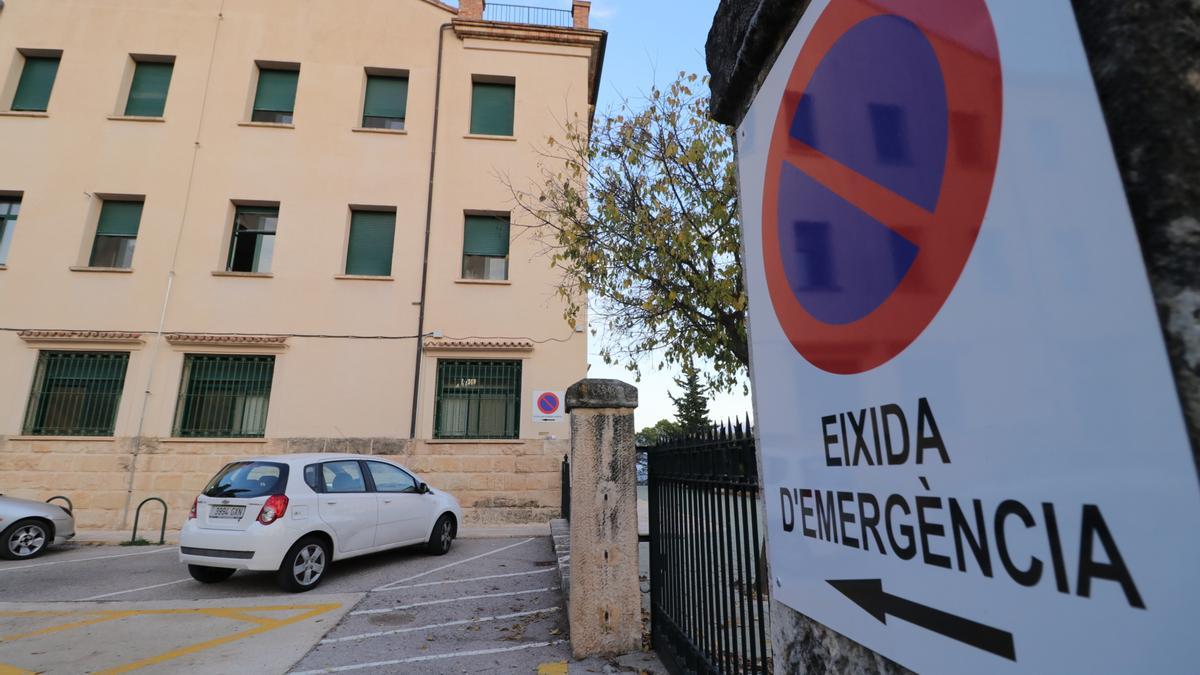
(294, 514)
(29, 527)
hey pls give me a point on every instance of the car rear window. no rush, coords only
(248, 479)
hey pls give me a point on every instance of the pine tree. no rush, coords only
(691, 408)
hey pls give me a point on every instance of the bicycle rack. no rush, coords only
(70, 506)
(162, 532)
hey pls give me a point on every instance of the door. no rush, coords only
(405, 515)
(346, 505)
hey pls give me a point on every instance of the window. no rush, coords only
(148, 91)
(492, 108)
(37, 81)
(116, 234)
(370, 249)
(76, 393)
(253, 242)
(344, 476)
(477, 399)
(224, 396)
(10, 207)
(275, 98)
(389, 478)
(248, 480)
(485, 248)
(387, 99)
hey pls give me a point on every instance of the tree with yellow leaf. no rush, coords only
(640, 213)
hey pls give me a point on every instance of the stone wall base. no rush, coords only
(805, 647)
(496, 483)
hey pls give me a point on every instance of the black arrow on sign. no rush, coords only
(868, 594)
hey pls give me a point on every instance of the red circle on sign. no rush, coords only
(548, 403)
(929, 232)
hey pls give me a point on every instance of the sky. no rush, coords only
(650, 41)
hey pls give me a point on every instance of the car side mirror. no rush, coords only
(422, 488)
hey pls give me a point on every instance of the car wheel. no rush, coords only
(24, 539)
(442, 536)
(209, 575)
(304, 565)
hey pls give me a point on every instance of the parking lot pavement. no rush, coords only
(490, 605)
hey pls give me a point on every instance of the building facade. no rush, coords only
(244, 227)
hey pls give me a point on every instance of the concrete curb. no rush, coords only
(114, 538)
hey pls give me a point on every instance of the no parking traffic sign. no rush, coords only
(973, 454)
(547, 406)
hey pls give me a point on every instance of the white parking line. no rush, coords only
(463, 581)
(397, 608)
(75, 560)
(460, 622)
(431, 657)
(133, 590)
(389, 586)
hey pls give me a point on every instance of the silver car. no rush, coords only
(29, 527)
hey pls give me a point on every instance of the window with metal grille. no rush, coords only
(478, 399)
(252, 244)
(36, 83)
(275, 97)
(224, 396)
(10, 207)
(76, 393)
(485, 248)
(116, 234)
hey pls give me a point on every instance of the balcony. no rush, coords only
(533, 16)
(526, 15)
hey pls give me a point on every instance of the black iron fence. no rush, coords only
(708, 593)
(565, 478)
(536, 16)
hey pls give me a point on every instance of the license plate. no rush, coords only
(230, 512)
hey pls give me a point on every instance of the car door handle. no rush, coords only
(332, 501)
(387, 501)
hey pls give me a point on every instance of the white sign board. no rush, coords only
(973, 454)
(548, 406)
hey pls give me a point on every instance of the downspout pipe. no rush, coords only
(437, 100)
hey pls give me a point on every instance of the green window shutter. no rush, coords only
(371, 237)
(148, 91)
(276, 90)
(37, 81)
(492, 109)
(119, 218)
(486, 235)
(386, 96)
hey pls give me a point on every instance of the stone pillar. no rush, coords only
(605, 608)
(471, 9)
(580, 9)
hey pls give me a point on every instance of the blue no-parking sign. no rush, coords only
(547, 406)
(971, 444)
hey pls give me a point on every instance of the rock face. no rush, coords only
(743, 42)
(1145, 58)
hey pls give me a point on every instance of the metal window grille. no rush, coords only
(224, 396)
(478, 399)
(76, 393)
(536, 16)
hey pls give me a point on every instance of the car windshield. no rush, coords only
(248, 479)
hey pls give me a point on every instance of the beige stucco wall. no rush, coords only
(198, 159)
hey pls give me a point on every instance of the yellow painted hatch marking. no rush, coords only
(264, 624)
